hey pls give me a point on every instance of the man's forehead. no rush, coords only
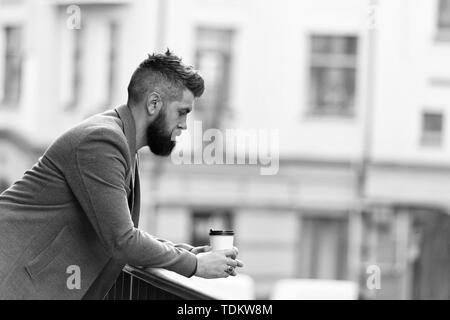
(187, 101)
(188, 97)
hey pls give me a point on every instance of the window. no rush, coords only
(432, 129)
(333, 75)
(213, 59)
(13, 65)
(385, 235)
(202, 221)
(444, 20)
(324, 248)
(379, 243)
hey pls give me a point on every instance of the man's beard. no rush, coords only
(158, 139)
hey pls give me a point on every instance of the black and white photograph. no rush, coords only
(231, 150)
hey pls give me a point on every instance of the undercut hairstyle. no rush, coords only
(165, 74)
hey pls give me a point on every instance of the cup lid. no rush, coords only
(221, 232)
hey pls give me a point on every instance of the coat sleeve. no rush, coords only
(185, 246)
(98, 182)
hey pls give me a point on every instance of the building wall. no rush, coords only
(406, 82)
(279, 92)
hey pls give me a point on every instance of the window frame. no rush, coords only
(340, 221)
(348, 62)
(213, 115)
(430, 138)
(442, 31)
(5, 102)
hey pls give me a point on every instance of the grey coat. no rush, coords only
(79, 206)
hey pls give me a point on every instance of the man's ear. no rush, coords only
(153, 104)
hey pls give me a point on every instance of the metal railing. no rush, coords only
(156, 284)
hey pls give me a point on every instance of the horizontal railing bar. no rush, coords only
(163, 282)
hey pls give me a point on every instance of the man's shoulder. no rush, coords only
(106, 120)
(104, 128)
(105, 125)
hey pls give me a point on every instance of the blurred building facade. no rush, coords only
(358, 91)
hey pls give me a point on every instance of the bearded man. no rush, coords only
(79, 204)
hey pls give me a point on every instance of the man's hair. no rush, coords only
(166, 75)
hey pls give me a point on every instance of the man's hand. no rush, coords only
(201, 249)
(216, 264)
(197, 250)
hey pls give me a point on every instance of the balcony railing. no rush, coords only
(157, 284)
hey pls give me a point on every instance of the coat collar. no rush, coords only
(129, 126)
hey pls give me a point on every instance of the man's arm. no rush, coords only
(184, 246)
(98, 182)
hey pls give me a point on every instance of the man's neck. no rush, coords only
(139, 120)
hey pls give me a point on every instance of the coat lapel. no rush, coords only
(136, 198)
(129, 129)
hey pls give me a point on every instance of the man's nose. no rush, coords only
(182, 125)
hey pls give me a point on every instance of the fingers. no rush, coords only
(232, 262)
(232, 253)
(229, 270)
(231, 273)
(228, 261)
(239, 263)
(216, 264)
(205, 248)
(201, 249)
(235, 263)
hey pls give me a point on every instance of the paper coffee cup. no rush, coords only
(221, 239)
